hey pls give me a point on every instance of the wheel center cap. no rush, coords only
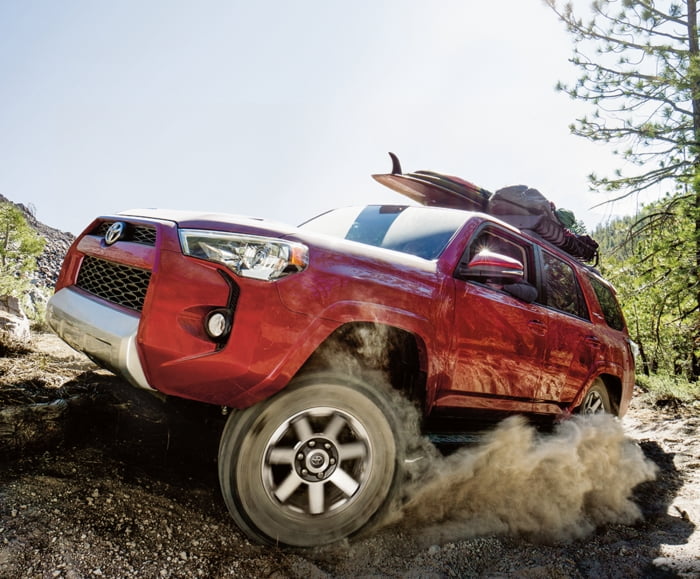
(316, 459)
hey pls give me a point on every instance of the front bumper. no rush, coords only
(105, 334)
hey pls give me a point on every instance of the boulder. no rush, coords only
(14, 324)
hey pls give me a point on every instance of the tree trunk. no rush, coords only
(694, 69)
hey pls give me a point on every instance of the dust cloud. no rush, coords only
(549, 487)
(552, 488)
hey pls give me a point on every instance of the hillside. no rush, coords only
(57, 244)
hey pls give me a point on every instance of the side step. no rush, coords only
(458, 438)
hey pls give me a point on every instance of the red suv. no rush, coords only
(310, 333)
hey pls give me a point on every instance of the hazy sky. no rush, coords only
(281, 109)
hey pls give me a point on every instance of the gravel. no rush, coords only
(129, 489)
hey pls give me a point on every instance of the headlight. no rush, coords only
(262, 258)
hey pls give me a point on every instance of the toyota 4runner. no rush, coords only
(462, 313)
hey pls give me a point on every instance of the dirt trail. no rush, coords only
(130, 490)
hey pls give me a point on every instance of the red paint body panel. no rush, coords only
(479, 348)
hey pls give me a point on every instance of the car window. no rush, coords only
(561, 288)
(608, 303)
(420, 231)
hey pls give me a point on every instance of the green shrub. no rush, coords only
(666, 388)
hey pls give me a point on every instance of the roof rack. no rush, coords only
(518, 205)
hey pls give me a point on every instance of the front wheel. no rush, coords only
(597, 399)
(312, 464)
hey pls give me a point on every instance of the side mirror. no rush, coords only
(487, 266)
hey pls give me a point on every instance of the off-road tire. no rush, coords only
(596, 400)
(313, 464)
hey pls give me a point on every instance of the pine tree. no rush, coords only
(648, 266)
(639, 63)
(20, 245)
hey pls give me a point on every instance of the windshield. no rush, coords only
(414, 230)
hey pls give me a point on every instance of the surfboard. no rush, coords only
(435, 189)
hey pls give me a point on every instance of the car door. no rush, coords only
(572, 345)
(498, 340)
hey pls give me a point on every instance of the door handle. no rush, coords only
(537, 327)
(593, 342)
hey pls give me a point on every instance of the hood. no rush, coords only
(214, 221)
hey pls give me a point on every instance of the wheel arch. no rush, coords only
(366, 348)
(612, 384)
(614, 387)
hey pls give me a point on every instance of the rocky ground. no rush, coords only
(98, 479)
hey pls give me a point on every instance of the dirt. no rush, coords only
(112, 482)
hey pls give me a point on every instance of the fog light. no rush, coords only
(218, 324)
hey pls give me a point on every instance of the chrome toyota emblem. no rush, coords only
(115, 232)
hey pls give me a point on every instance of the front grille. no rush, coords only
(116, 283)
(135, 233)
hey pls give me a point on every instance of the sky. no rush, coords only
(281, 109)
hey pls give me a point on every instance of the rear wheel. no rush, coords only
(597, 399)
(311, 465)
